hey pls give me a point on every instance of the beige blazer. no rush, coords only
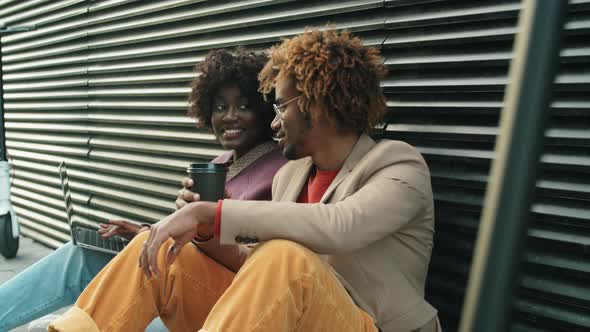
(374, 226)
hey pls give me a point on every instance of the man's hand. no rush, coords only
(182, 226)
(122, 228)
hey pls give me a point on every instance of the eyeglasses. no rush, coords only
(280, 109)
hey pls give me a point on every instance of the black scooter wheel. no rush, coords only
(8, 244)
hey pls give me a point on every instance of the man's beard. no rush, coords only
(296, 150)
(290, 152)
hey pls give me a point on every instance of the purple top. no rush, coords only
(255, 181)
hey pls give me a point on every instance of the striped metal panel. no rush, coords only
(448, 71)
(103, 85)
(46, 107)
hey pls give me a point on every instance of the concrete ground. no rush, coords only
(28, 253)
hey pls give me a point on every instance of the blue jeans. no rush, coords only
(50, 284)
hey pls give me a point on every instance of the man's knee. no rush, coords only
(141, 237)
(134, 247)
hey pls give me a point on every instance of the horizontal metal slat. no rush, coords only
(113, 93)
(561, 236)
(142, 118)
(160, 78)
(38, 10)
(567, 185)
(49, 95)
(46, 158)
(46, 84)
(471, 198)
(157, 147)
(74, 19)
(241, 38)
(548, 158)
(174, 162)
(445, 14)
(523, 327)
(65, 118)
(492, 132)
(443, 60)
(127, 189)
(44, 63)
(57, 224)
(165, 16)
(139, 92)
(475, 83)
(23, 195)
(43, 74)
(173, 61)
(470, 58)
(6, 3)
(174, 134)
(199, 12)
(138, 105)
(47, 183)
(154, 176)
(25, 169)
(440, 37)
(31, 230)
(58, 105)
(548, 256)
(401, 3)
(34, 208)
(47, 127)
(92, 217)
(106, 209)
(235, 21)
(47, 138)
(46, 53)
(39, 43)
(560, 313)
(47, 148)
(20, 7)
(52, 20)
(544, 283)
(108, 4)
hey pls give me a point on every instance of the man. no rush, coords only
(344, 245)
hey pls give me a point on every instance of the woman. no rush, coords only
(223, 98)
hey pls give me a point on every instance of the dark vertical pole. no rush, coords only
(503, 226)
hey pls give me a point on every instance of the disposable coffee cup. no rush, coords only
(208, 180)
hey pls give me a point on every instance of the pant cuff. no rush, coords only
(73, 320)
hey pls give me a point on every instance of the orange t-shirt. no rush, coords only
(316, 186)
(312, 192)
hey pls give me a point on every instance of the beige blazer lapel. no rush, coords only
(360, 149)
(298, 179)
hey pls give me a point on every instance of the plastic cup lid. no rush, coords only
(207, 167)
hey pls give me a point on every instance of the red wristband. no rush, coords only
(217, 224)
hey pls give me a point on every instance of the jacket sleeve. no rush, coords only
(390, 199)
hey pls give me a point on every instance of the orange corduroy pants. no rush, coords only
(283, 286)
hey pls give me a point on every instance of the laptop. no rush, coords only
(82, 235)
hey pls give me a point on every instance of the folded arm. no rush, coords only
(380, 207)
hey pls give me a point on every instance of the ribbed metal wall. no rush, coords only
(449, 67)
(103, 86)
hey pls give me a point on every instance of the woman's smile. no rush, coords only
(232, 133)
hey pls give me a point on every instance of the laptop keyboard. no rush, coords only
(91, 237)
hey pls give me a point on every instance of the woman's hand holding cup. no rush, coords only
(185, 195)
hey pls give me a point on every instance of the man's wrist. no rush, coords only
(205, 214)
